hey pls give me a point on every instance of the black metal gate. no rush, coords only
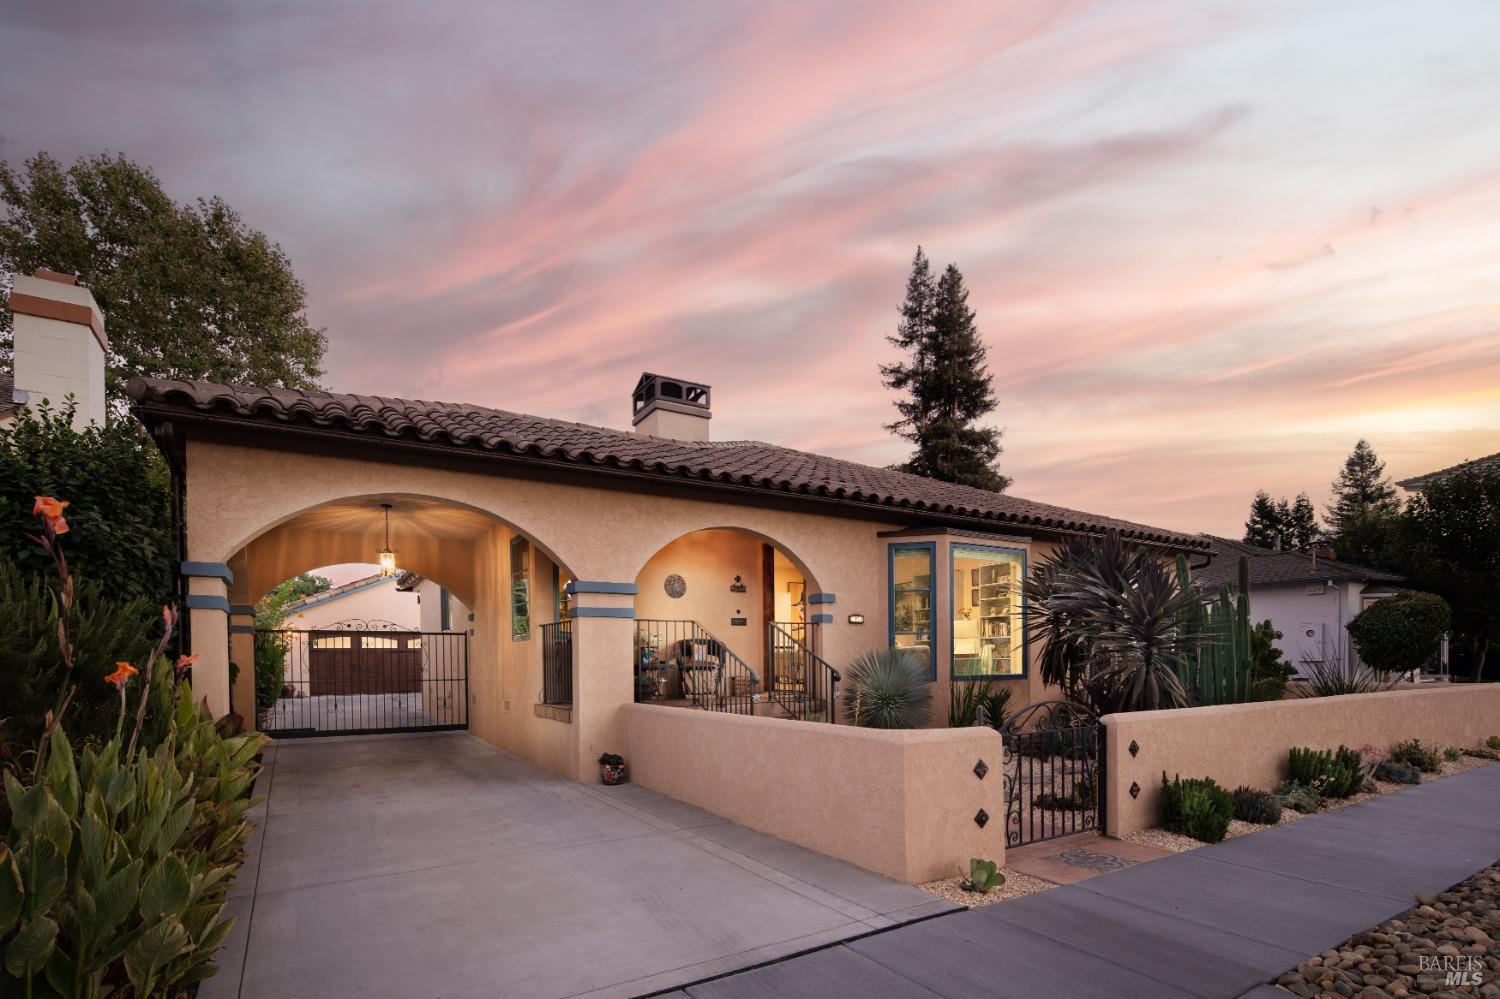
(1054, 771)
(360, 677)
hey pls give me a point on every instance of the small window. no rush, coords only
(987, 605)
(912, 600)
(333, 642)
(520, 589)
(379, 642)
(414, 642)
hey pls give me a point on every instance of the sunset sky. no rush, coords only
(1210, 244)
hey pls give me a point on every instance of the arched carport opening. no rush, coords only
(726, 619)
(353, 662)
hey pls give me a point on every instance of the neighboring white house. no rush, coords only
(1307, 596)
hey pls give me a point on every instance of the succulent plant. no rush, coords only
(1414, 754)
(1336, 774)
(1493, 742)
(984, 876)
(1395, 772)
(1300, 798)
(1254, 805)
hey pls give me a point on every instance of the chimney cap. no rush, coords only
(677, 395)
(50, 275)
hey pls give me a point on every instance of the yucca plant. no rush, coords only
(888, 688)
(1107, 617)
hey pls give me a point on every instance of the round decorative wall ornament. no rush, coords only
(675, 586)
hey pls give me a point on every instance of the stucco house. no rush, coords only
(649, 563)
(1308, 596)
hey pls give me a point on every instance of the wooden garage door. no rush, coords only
(363, 662)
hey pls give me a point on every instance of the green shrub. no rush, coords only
(1452, 754)
(1196, 807)
(888, 688)
(119, 502)
(1337, 774)
(1413, 753)
(1395, 772)
(1401, 633)
(984, 876)
(1493, 742)
(1299, 798)
(101, 631)
(1254, 805)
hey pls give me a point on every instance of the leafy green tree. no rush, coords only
(1401, 633)
(1362, 514)
(187, 290)
(271, 609)
(945, 383)
(1264, 524)
(118, 491)
(1450, 545)
(1301, 525)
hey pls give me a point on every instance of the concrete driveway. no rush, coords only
(436, 865)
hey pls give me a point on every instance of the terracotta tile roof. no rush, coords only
(748, 464)
(1489, 462)
(1269, 567)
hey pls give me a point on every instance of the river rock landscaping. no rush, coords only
(1448, 944)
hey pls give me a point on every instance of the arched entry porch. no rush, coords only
(727, 619)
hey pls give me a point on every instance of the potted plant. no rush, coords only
(612, 769)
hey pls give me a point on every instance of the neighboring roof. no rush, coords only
(1487, 463)
(334, 593)
(1269, 567)
(746, 464)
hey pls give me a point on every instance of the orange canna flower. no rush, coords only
(122, 674)
(183, 662)
(49, 507)
(58, 525)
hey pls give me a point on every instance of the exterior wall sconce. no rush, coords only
(387, 555)
(856, 619)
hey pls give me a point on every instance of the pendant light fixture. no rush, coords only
(387, 555)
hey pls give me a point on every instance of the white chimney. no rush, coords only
(60, 345)
(671, 407)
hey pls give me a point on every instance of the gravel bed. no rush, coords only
(1016, 885)
(1163, 840)
(1454, 933)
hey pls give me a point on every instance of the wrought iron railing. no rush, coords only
(681, 662)
(799, 681)
(557, 663)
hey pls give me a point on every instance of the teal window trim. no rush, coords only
(1019, 614)
(929, 548)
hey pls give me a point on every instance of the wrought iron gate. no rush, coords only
(1054, 772)
(360, 677)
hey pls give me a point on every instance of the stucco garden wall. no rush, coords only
(1247, 744)
(900, 803)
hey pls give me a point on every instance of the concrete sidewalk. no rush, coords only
(1221, 921)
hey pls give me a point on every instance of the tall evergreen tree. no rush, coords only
(945, 383)
(1301, 525)
(1264, 526)
(1364, 507)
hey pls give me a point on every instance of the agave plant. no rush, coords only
(1108, 615)
(888, 688)
(1335, 675)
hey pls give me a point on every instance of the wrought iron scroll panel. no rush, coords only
(1054, 771)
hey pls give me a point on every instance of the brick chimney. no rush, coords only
(59, 346)
(671, 407)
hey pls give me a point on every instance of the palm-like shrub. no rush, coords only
(888, 688)
(1108, 615)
